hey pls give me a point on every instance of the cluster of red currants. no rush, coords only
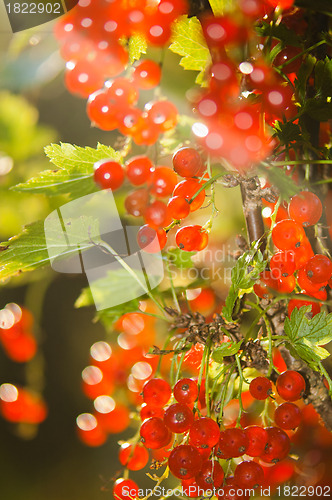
(17, 340)
(94, 32)
(240, 91)
(197, 462)
(115, 106)
(295, 263)
(21, 405)
(154, 184)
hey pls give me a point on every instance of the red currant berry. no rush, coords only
(100, 111)
(151, 240)
(123, 487)
(154, 433)
(319, 269)
(147, 74)
(204, 433)
(285, 55)
(121, 91)
(133, 457)
(187, 162)
(298, 303)
(162, 114)
(232, 443)
(305, 208)
(288, 416)
(210, 476)
(151, 411)
(191, 238)
(108, 174)
(178, 418)
(163, 181)
(305, 283)
(282, 264)
(157, 215)
(278, 445)
(184, 461)
(156, 392)
(257, 440)
(136, 202)
(186, 391)
(287, 235)
(139, 170)
(187, 189)
(248, 475)
(260, 388)
(178, 207)
(290, 385)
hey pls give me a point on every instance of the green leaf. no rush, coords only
(324, 6)
(28, 250)
(226, 349)
(218, 7)
(25, 252)
(180, 258)
(74, 173)
(285, 184)
(323, 78)
(288, 132)
(279, 31)
(188, 41)
(244, 274)
(136, 47)
(306, 334)
(303, 74)
(318, 109)
(107, 316)
(117, 281)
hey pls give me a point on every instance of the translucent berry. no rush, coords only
(108, 174)
(257, 440)
(210, 476)
(305, 208)
(163, 181)
(287, 416)
(232, 443)
(319, 269)
(147, 74)
(133, 457)
(178, 207)
(139, 170)
(191, 238)
(186, 391)
(184, 461)
(125, 488)
(154, 433)
(178, 417)
(136, 202)
(187, 162)
(290, 385)
(156, 392)
(188, 189)
(260, 388)
(248, 475)
(278, 445)
(151, 240)
(204, 433)
(287, 235)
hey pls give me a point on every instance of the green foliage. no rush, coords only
(25, 252)
(188, 42)
(180, 258)
(323, 78)
(306, 334)
(324, 6)
(28, 250)
(74, 173)
(107, 316)
(303, 74)
(20, 136)
(226, 349)
(288, 132)
(279, 31)
(244, 274)
(285, 184)
(136, 47)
